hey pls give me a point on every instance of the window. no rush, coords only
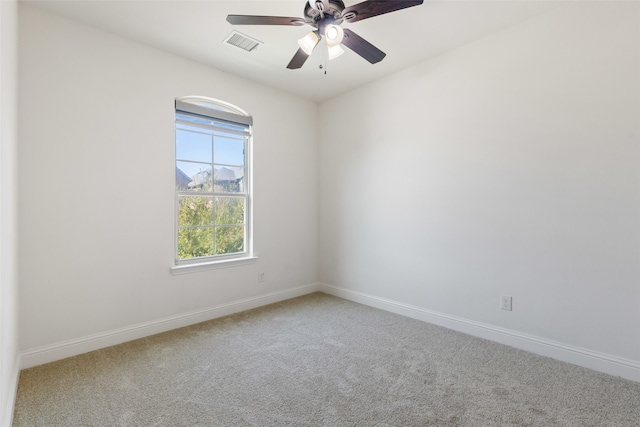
(213, 204)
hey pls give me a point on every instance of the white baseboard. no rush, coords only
(601, 362)
(45, 354)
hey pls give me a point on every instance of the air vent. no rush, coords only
(242, 41)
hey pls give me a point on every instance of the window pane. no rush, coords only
(193, 176)
(193, 145)
(195, 210)
(211, 186)
(229, 149)
(230, 210)
(195, 242)
(228, 179)
(229, 240)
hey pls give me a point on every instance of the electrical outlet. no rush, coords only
(261, 277)
(505, 302)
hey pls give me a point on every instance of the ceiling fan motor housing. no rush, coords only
(324, 10)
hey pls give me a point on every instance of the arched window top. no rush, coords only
(202, 103)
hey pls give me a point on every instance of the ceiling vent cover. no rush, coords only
(242, 41)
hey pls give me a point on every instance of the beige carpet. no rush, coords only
(319, 361)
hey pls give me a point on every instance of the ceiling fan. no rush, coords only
(326, 16)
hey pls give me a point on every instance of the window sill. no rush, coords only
(212, 265)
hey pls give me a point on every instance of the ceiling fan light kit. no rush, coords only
(334, 51)
(327, 16)
(309, 42)
(334, 34)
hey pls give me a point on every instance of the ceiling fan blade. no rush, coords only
(298, 60)
(371, 8)
(301, 55)
(362, 47)
(264, 20)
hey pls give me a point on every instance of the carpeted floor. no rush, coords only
(318, 360)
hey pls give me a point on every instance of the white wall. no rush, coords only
(510, 166)
(96, 175)
(8, 206)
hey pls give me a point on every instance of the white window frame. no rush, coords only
(219, 111)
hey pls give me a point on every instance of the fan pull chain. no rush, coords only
(325, 62)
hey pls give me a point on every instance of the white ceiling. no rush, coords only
(196, 29)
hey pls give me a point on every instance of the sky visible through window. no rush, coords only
(195, 150)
